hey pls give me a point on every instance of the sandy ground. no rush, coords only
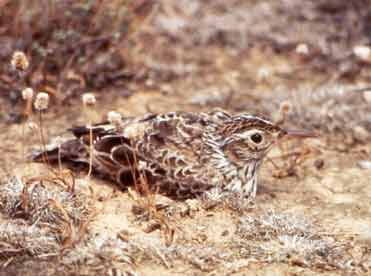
(311, 216)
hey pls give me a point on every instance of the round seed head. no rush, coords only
(302, 49)
(362, 52)
(263, 74)
(27, 93)
(41, 101)
(281, 115)
(19, 61)
(114, 117)
(88, 99)
(285, 107)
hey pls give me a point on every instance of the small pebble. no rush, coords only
(365, 164)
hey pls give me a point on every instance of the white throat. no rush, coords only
(245, 180)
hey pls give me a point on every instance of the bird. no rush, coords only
(179, 154)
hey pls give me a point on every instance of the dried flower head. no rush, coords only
(281, 116)
(42, 101)
(114, 118)
(263, 73)
(32, 126)
(27, 93)
(285, 107)
(302, 49)
(362, 52)
(88, 99)
(19, 61)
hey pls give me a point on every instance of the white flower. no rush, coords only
(362, 52)
(263, 73)
(302, 49)
(88, 99)
(19, 61)
(42, 101)
(27, 93)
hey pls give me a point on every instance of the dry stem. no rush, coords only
(42, 140)
(90, 149)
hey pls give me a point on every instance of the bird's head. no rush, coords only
(246, 141)
(249, 138)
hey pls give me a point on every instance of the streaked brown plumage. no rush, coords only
(181, 153)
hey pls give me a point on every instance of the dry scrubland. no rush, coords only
(312, 215)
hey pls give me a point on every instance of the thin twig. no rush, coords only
(42, 140)
(90, 149)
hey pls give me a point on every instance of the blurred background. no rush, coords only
(246, 56)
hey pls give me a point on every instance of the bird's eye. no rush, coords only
(256, 138)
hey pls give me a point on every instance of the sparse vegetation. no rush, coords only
(303, 64)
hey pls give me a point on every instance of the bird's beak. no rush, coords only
(297, 134)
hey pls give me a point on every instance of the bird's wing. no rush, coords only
(167, 149)
(172, 148)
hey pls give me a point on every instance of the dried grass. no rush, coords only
(48, 215)
(46, 221)
(274, 224)
(281, 237)
(93, 34)
(279, 24)
(338, 109)
(18, 238)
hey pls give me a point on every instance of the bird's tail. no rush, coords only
(69, 150)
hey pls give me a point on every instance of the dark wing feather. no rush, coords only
(98, 129)
(72, 150)
(123, 154)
